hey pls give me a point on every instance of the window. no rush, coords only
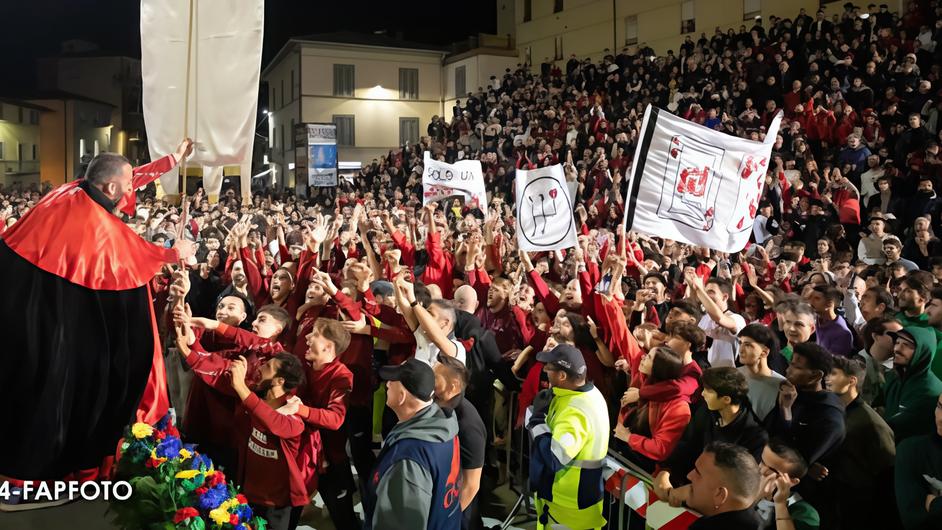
(408, 83)
(527, 10)
(20, 114)
(751, 9)
(34, 117)
(557, 6)
(687, 23)
(281, 136)
(1, 145)
(408, 131)
(292, 85)
(271, 101)
(282, 92)
(631, 30)
(345, 133)
(460, 81)
(558, 53)
(35, 152)
(19, 152)
(343, 79)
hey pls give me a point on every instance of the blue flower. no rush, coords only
(214, 497)
(201, 462)
(244, 512)
(169, 447)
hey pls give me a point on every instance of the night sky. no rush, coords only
(35, 28)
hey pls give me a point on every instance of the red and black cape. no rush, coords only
(81, 356)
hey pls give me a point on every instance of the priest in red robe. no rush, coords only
(81, 357)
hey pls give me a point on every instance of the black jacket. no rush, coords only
(704, 428)
(816, 428)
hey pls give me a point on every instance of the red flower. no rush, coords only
(200, 491)
(184, 514)
(234, 519)
(241, 498)
(216, 479)
(159, 435)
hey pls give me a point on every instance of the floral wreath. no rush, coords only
(174, 486)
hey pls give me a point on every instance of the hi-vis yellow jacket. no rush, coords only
(566, 458)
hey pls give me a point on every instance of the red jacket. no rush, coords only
(666, 421)
(269, 451)
(325, 395)
(212, 401)
(358, 356)
(440, 267)
(503, 323)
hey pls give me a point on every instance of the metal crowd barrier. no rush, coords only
(619, 472)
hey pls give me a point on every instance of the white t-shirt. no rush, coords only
(427, 352)
(725, 345)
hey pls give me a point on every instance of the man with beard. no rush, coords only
(81, 351)
(497, 315)
(208, 420)
(270, 443)
(911, 387)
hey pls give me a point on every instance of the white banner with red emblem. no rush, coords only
(696, 185)
(544, 210)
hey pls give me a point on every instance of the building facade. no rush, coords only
(380, 91)
(19, 142)
(553, 30)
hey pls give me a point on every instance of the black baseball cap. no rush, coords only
(565, 357)
(902, 334)
(416, 376)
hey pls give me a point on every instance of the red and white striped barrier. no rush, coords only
(622, 483)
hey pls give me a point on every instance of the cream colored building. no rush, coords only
(380, 91)
(19, 142)
(555, 29)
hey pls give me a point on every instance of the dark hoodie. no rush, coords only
(918, 460)
(912, 390)
(705, 428)
(405, 492)
(817, 425)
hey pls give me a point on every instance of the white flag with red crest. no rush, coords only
(696, 185)
(544, 210)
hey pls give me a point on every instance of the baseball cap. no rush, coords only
(902, 334)
(565, 357)
(416, 376)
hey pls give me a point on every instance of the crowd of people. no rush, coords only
(795, 384)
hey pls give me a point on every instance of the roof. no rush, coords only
(368, 39)
(60, 95)
(24, 104)
(353, 38)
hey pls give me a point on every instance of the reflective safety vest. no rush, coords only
(577, 421)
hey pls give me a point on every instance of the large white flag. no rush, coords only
(696, 185)
(225, 60)
(441, 180)
(544, 210)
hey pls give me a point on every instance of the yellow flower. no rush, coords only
(184, 454)
(187, 474)
(227, 505)
(219, 516)
(141, 430)
(210, 473)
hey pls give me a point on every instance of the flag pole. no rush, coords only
(185, 206)
(186, 118)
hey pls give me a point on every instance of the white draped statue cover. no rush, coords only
(225, 66)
